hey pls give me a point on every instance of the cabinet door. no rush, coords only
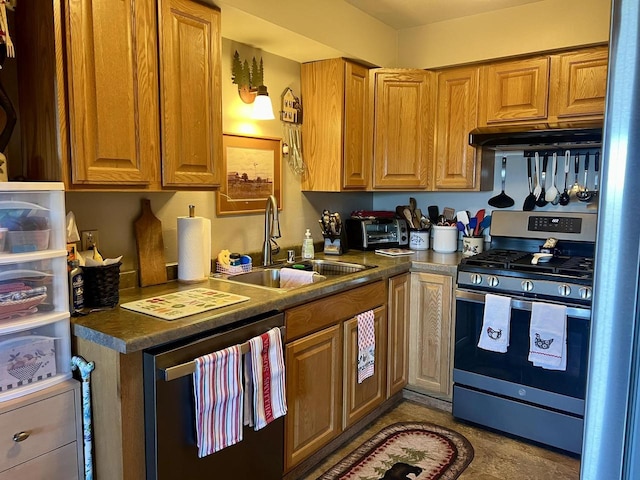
(430, 352)
(515, 91)
(314, 393)
(190, 46)
(113, 91)
(398, 333)
(356, 166)
(362, 398)
(456, 115)
(402, 106)
(578, 83)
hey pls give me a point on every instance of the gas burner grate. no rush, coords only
(495, 258)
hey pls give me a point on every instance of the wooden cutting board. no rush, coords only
(148, 230)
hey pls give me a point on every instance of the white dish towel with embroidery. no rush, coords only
(366, 345)
(267, 378)
(218, 393)
(496, 323)
(548, 336)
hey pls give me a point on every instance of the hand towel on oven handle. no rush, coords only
(496, 323)
(366, 345)
(218, 392)
(548, 336)
(267, 378)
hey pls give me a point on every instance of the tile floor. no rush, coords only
(496, 457)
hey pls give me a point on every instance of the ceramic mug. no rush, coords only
(472, 246)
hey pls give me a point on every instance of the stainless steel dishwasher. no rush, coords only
(170, 438)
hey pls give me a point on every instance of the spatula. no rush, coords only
(542, 201)
(530, 200)
(502, 200)
(479, 219)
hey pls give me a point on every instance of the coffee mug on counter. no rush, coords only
(472, 246)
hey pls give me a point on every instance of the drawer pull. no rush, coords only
(20, 436)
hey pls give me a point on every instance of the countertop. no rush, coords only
(126, 331)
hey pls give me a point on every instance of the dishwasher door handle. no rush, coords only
(171, 373)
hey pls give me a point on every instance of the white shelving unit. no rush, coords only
(36, 268)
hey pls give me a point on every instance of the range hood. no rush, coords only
(530, 138)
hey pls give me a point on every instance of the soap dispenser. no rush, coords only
(307, 246)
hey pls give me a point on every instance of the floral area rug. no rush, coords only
(421, 451)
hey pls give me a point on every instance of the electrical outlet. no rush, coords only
(88, 239)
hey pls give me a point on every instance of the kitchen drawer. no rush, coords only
(313, 316)
(60, 464)
(50, 423)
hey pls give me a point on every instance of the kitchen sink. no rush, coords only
(269, 277)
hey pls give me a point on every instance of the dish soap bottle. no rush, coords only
(307, 246)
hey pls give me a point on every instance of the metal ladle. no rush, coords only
(583, 194)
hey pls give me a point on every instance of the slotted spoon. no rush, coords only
(564, 196)
(538, 188)
(542, 201)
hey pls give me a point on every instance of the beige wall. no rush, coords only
(538, 26)
(113, 214)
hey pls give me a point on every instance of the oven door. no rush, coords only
(511, 374)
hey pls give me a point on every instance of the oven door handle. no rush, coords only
(520, 304)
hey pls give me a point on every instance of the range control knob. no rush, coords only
(476, 279)
(564, 290)
(585, 293)
(492, 281)
(527, 285)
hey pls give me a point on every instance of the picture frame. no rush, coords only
(252, 169)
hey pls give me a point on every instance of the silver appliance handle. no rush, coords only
(184, 369)
(520, 304)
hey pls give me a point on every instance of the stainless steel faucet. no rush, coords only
(271, 231)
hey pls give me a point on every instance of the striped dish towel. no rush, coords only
(268, 377)
(218, 392)
(366, 345)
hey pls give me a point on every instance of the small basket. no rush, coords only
(233, 269)
(101, 285)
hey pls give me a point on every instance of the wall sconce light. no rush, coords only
(251, 88)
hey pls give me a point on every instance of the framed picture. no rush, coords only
(252, 171)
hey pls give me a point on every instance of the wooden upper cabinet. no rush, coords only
(401, 125)
(454, 161)
(336, 126)
(515, 91)
(113, 92)
(190, 50)
(578, 83)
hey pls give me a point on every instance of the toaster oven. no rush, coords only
(373, 233)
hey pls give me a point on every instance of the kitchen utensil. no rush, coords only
(434, 212)
(463, 217)
(596, 179)
(530, 200)
(400, 211)
(448, 213)
(408, 216)
(486, 223)
(150, 246)
(443, 221)
(576, 167)
(583, 194)
(462, 227)
(479, 219)
(542, 201)
(564, 196)
(538, 188)
(553, 195)
(473, 222)
(502, 200)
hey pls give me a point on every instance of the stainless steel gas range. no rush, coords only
(536, 260)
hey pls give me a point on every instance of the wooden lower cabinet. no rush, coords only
(398, 333)
(431, 333)
(361, 398)
(314, 393)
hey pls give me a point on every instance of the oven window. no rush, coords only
(513, 366)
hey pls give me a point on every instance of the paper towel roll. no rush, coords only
(194, 248)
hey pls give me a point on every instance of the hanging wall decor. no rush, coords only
(291, 116)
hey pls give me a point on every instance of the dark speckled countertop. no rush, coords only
(126, 331)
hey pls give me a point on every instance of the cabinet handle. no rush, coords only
(20, 436)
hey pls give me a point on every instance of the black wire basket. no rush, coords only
(101, 285)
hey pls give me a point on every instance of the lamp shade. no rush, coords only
(262, 108)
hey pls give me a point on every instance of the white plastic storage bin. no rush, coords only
(35, 345)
